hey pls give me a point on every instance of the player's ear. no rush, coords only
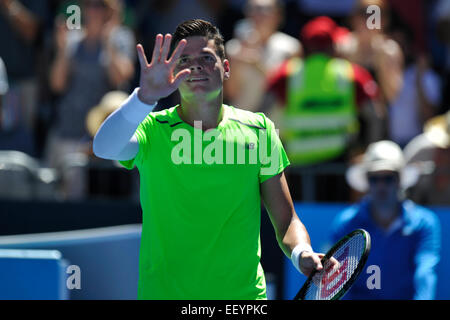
(226, 68)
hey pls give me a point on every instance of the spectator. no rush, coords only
(430, 151)
(337, 10)
(21, 23)
(12, 137)
(257, 49)
(442, 16)
(87, 65)
(419, 97)
(321, 96)
(405, 236)
(374, 49)
(377, 52)
(299, 12)
(162, 16)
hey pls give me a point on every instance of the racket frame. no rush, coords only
(362, 262)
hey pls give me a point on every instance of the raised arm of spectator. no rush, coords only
(390, 64)
(60, 67)
(118, 43)
(22, 19)
(428, 89)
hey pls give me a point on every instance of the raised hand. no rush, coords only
(157, 79)
(60, 35)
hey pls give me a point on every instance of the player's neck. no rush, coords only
(210, 113)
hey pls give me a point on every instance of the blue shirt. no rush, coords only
(406, 254)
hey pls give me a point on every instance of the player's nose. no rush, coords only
(196, 67)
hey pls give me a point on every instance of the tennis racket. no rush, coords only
(330, 283)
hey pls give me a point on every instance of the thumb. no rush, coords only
(317, 263)
(181, 76)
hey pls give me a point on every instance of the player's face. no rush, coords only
(208, 71)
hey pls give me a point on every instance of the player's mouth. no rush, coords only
(197, 79)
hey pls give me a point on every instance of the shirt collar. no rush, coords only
(401, 222)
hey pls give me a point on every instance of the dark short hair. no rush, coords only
(199, 27)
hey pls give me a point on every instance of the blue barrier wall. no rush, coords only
(318, 217)
(107, 258)
(32, 275)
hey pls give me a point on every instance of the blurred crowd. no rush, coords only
(334, 76)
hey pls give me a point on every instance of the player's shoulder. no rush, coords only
(163, 117)
(257, 120)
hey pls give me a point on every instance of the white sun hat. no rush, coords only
(437, 130)
(110, 102)
(381, 156)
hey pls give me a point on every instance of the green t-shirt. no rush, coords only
(200, 197)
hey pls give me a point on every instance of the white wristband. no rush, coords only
(134, 110)
(295, 255)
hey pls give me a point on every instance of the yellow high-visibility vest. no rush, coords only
(320, 114)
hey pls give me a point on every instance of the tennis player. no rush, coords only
(201, 218)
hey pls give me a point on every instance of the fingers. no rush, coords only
(157, 48)
(141, 56)
(182, 75)
(311, 261)
(178, 51)
(166, 47)
(162, 48)
(331, 263)
(317, 263)
(334, 263)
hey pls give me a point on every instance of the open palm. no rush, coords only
(157, 79)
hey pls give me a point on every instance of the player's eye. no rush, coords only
(183, 60)
(209, 58)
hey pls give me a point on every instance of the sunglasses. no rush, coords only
(386, 179)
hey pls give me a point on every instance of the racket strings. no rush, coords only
(327, 283)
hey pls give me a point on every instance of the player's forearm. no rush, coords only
(295, 234)
(289, 230)
(290, 233)
(116, 132)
